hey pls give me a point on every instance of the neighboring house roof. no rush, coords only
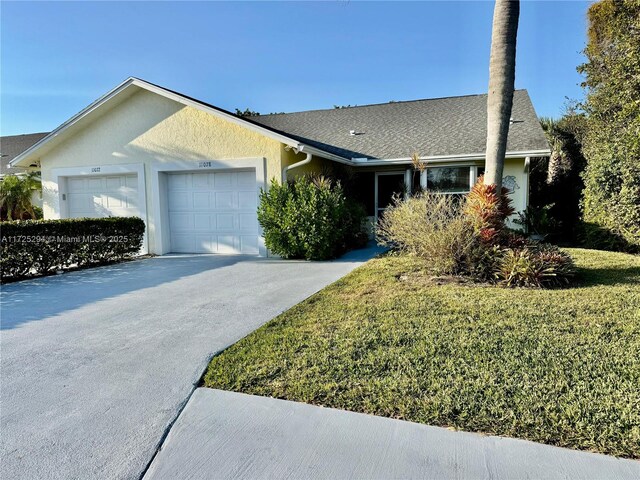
(13, 145)
(432, 127)
(445, 127)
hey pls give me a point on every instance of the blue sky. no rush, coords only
(56, 58)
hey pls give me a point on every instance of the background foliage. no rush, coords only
(15, 197)
(556, 183)
(612, 137)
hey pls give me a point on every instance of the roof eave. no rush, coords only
(133, 81)
(454, 158)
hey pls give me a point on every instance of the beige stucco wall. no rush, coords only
(148, 128)
(515, 167)
(289, 157)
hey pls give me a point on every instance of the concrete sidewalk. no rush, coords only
(231, 435)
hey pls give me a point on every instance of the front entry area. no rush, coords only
(387, 186)
(213, 212)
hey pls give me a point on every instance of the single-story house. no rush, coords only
(193, 171)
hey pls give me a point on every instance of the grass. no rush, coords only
(555, 366)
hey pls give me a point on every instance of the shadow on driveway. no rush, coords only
(39, 298)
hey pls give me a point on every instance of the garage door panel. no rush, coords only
(228, 244)
(181, 222)
(76, 185)
(223, 200)
(247, 223)
(115, 182)
(216, 209)
(249, 244)
(223, 179)
(247, 200)
(132, 182)
(179, 201)
(114, 201)
(200, 181)
(201, 201)
(224, 221)
(103, 196)
(246, 179)
(203, 222)
(183, 242)
(95, 184)
(80, 201)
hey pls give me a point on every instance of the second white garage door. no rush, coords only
(213, 212)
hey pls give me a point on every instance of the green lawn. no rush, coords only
(554, 366)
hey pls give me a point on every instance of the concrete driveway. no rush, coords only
(96, 364)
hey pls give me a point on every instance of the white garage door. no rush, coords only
(213, 212)
(103, 196)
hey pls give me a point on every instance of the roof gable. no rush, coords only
(124, 91)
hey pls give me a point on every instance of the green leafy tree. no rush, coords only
(556, 184)
(612, 139)
(247, 112)
(15, 196)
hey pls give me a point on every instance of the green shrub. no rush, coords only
(539, 266)
(310, 218)
(612, 138)
(15, 196)
(537, 220)
(37, 211)
(37, 247)
(430, 226)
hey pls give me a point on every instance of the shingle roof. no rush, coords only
(430, 127)
(12, 146)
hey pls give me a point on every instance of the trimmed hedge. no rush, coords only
(38, 247)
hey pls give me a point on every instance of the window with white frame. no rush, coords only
(450, 180)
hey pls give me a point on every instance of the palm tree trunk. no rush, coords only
(502, 74)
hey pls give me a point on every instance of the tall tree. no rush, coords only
(502, 74)
(612, 140)
(555, 184)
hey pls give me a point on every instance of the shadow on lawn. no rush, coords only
(608, 276)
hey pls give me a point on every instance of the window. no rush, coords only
(449, 179)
